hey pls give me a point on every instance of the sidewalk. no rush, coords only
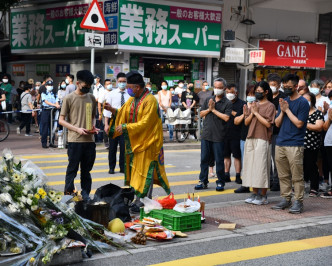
(21, 145)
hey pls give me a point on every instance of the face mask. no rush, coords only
(37, 87)
(109, 87)
(67, 81)
(207, 87)
(259, 95)
(95, 81)
(164, 87)
(181, 85)
(49, 88)
(22, 86)
(230, 96)
(173, 92)
(149, 89)
(63, 86)
(251, 99)
(122, 85)
(85, 90)
(218, 92)
(5, 80)
(288, 92)
(274, 89)
(131, 92)
(314, 91)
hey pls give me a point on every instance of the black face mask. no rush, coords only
(85, 89)
(259, 95)
(288, 91)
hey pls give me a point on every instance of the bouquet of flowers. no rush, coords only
(36, 220)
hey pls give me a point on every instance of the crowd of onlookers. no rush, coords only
(280, 137)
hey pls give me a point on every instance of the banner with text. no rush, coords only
(167, 28)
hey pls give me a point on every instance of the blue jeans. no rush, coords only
(242, 142)
(207, 147)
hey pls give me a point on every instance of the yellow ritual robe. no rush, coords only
(143, 134)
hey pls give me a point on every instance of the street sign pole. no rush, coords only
(92, 66)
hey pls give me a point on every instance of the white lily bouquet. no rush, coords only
(34, 220)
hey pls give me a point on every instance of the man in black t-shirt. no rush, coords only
(274, 81)
(233, 135)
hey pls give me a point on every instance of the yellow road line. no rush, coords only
(65, 161)
(64, 155)
(253, 252)
(65, 166)
(93, 171)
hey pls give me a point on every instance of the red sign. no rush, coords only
(289, 54)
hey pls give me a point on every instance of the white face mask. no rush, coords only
(164, 87)
(274, 89)
(109, 87)
(49, 88)
(5, 80)
(315, 91)
(37, 87)
(67, 81)
(230, 96)
(218, 92)
(181, 85)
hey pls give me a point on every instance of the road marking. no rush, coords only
(252, 252)
(98, 153)
(102, 179)
(93, 171)
(65, 166)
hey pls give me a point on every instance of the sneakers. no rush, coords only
(201, 185)
(327, 195)
(28, 135)
(191, 137)
(242, 189)
(283, 204)
(296, 208)
(219, 187)
(250, 199)
(18, 130)
(323, 187)
(313, 193)
(260, 200)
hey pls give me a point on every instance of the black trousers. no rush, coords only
(45, 125)
(310, 169)
(26, 122)
(112, 152)
(329, 156)
(81, 154)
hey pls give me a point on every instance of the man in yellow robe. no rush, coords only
(140, 123)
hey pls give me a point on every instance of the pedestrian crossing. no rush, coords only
(179, 180)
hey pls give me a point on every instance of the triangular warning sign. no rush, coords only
(94, 19)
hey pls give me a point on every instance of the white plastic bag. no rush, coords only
(150, 205)
(188, 206)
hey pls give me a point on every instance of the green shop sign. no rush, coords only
(169, 28)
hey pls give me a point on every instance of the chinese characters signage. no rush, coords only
(42, 69)
(170, 28)
(55, 26)
(289, 54)
(62, 70)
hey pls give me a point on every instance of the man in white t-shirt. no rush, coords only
(116, 98)
(98, 90)
(180, 88)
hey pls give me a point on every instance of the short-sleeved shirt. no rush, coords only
(289, 134)
(203, 95)
(256, 129)
(50, 97)
(74, 108)
(98, 90)
(8, 90)
(234, 131)
(275, 101)
(188, 97)
(175, 101)
(312, 139)
(70, 88)
(26, 98)
(214, 128)
(328, 137)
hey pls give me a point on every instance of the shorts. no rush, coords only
(232, 146)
